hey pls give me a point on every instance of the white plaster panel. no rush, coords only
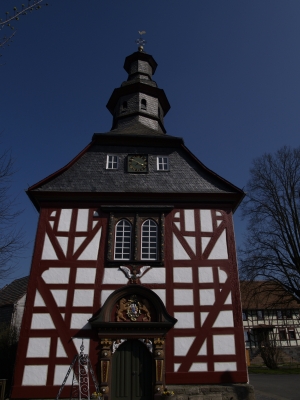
(189, 219)
(203, 350)
(60, 373)
(161, 293)
(63, 242)
(229, 299)
(60, 350)
(185, 320)
(198, 367)
(219, 251)
(38, 301)
(42, 321)
(78, 242)
(191, 241)
(114, 276)
(225, 366)
(60, 297)
(95, 223)
(83, 298)
(56, 275)
(225, 318)
(91, 250)
(177, 214)
(218, 214)
(63, 315)
(53, 214)
(78, 342)
(205, 274)
(203, 316)
(183, 297)
(183, 274)
(223, 344)
(206, 221)
(38, 347)
(219, 222)
(104, 295)
(82, 220)
(80, 321)
(35, 375)
(176, 366)
(65, 220)
(85, 275)
(51, 224)
(182, 345)
(178, 251)
(177, 224)
(207, 297)
(222, 276)
(48, 250)
(154, 275)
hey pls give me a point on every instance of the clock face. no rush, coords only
(137, 163)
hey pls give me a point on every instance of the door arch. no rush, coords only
(132, 372)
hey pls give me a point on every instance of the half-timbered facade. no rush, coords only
(135, 254)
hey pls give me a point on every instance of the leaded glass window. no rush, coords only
(149, 240)
(123, 240)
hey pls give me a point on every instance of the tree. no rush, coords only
(271, 251)
(7, 23)
(11, 237)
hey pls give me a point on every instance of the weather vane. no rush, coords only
(140, 41)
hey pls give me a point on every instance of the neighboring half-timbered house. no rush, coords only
(135, 253)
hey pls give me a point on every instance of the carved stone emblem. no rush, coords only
(132, 308)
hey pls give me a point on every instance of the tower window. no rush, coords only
(162, 163)
(149, 240)
(123, 240)
(112, 161)
(158, 112)
(124, 106)
(143, 104)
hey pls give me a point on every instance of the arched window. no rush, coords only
(123, 240)
(143, 104)
(149, 240)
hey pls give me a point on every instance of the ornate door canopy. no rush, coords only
(133, 311)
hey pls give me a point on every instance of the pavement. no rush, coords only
(275, 387)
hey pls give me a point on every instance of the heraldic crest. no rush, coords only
(132, 308)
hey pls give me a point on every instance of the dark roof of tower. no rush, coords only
(11, 293)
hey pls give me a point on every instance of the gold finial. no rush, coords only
(140, 41)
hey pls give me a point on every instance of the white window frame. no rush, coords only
(163, 163)
(120, 242)
(148, 246)
(114, 160)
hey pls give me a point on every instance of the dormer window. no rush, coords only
(163, 163)
(143, 104)
(112, 161)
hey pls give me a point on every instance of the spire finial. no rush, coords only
(140, 41)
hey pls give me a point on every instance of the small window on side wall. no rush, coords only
(124, 106)
(112, 161)
(292, 334)
(260, 314)
(143, 104)
(282, 334)
(163, 163)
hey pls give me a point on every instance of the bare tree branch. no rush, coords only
(272, 247)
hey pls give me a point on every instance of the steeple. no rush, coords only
(138, 100)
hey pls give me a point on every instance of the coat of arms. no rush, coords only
(132, 309)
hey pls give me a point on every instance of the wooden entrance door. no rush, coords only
(132, 368)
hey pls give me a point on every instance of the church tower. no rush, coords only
(135, 255)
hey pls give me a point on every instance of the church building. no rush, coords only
(135, 259)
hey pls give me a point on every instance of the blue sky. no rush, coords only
(230, 69)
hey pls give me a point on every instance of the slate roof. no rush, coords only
(11, 293)
(260, 295)
(88, 173)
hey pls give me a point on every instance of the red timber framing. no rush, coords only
(199, 247)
